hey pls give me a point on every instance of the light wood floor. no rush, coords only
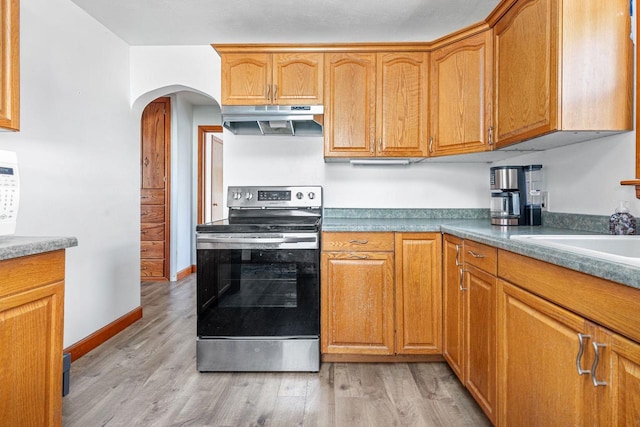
(146, 376)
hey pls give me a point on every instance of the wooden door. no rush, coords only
(453, 306)
(350, 105)
(246, 78)
(418, 293)
(297, 78)
(210, 172)
(461, 96)
(403, 104)
(10, 64)
(480, 340)
(526, 71)
(539, 382)
(357, 303)
(154, 191)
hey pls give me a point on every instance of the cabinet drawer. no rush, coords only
(383, 242)
(152, 232)
(27, 272)
(152, 196)
(149, 268)
(152, 213)
(482, 256)
(151, 249)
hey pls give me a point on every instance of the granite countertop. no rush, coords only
(18, 246)
(480, 230)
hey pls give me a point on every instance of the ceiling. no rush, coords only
(202, 22)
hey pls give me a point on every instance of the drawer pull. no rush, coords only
(358, 256)
(596, 359)
(581, 338)
(359, 242)
(475, 254)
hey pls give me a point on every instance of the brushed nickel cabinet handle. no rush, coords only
(358, 242)
(490, 135)
(475, 254)
(596, 360)
(267, 95)
(146, 161)
(458, 255)
(358, 256)
(275, 93)
(461, 280)
(581, 338)
(431, 145)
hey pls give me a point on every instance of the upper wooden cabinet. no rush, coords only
(376, 104)
(10, 65)
(289, 78)
(461, 96)
(562, 65)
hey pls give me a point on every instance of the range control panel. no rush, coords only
(275, 197)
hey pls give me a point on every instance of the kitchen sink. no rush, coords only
(623, 249)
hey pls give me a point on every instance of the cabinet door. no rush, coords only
(418, 293)
(461, 96)
(539, 382)
(246, 78)
(402, 91)
(297, 78)
(350, 104)
(453, 306)
(625, 382)
(526, 71)
(31, 356)
(10, 65)
(356, 303)
(480, 340)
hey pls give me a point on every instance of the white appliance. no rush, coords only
(9, 192)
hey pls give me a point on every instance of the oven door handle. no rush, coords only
(257, 242)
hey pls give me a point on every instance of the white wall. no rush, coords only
(78, 151)
(274, 160)
(585, 178)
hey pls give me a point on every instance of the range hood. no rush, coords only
(292, 120)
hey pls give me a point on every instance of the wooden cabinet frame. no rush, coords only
(10, 72)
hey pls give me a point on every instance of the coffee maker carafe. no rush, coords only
(516, 195)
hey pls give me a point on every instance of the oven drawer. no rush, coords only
(367, 242)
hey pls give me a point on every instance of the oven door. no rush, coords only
(258, 285)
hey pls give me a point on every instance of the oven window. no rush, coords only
(263, 285)
(256, 292)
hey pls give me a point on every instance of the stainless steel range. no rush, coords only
(258, 282)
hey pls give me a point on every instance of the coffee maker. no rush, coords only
(516, 195)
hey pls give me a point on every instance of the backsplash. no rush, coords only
(580, 222)
(591, 223)
(436, 213)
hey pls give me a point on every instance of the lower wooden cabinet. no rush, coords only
(381, 294)
(31, 328)
(453, 306)
(562, 358)
(469, 313)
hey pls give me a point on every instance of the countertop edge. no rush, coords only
(19, 246)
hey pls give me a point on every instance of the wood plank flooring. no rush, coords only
(146, 376)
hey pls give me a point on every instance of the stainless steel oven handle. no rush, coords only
(257, 240)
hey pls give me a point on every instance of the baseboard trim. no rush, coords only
(87, 344)
(371, 358)
(187, 271)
